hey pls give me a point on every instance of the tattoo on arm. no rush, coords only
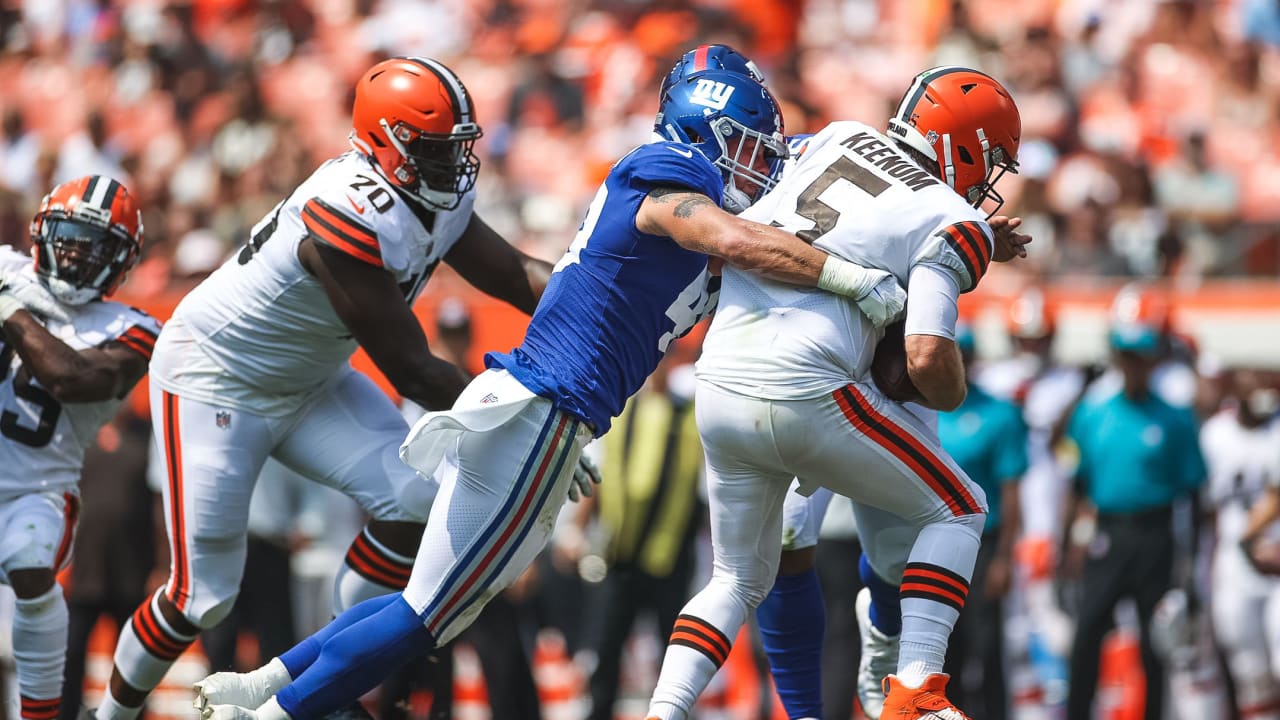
(687, 202)
(667, 203)
(690, 205)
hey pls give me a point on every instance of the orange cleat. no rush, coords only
(927, 702)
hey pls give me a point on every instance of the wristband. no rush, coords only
(843, 278)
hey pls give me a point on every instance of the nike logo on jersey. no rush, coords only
(359, 208)
(684, 153)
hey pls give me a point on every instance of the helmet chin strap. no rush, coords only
(69, 294)
(735, 201)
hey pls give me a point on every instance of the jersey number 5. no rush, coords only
(822, 215)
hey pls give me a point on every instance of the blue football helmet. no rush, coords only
(735, 122)
(709, 57)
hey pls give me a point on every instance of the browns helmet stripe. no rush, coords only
(92, 189)
(459, 100)
(917, 89)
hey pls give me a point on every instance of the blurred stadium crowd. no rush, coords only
(1149, 127)
(1149, 151)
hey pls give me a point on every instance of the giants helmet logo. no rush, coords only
(711, 93)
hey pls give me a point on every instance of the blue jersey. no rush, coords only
(618, 297)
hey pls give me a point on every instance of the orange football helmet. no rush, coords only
(968, 123)
(1030, 316)
(414, 119)
(86, 236)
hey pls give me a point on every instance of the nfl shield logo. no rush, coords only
(222, 419)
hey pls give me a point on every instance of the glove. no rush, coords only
(18, 293)
(585, 475)
(885, 302)
(876, 292)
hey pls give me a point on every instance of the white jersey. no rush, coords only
(1242, 463)
(260, 334)
(43, 440)
(852, 193)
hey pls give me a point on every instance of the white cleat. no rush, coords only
(879, 658)
(228, 688)
(250, 689)
(229, 712)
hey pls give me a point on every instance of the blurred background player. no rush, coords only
(1138, 455)
(68, 359)
(1242, 450)
(987, 438)
(254, 363)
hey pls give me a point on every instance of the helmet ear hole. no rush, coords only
(965, 157)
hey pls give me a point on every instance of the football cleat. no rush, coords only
(879, 658)
(927, 702)
(228, 688)
(228, 712)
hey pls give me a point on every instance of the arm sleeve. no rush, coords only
(931, 302)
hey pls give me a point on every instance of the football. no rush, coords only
(889, 366)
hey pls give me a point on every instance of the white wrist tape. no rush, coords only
(845, 278)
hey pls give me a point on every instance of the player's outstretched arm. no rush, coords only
(70, 375)
(933, 358)
(373, 308)
(695, 222)
(487, 261)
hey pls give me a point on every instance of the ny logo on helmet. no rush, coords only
(711, 93)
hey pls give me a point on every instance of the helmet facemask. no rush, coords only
(80, 261)
(438, 169)
(747, 155)
(998, 163)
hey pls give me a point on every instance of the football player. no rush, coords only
(254, 363)
(781, 361)
(67, 359)
(1241, 447)
(634, 278)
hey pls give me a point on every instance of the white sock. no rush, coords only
(109, 709)
(40, 644)
(273, 676)
(666, 711)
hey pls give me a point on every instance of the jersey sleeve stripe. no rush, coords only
(353, 229)
(142, 335)
(965, 254)
(978, 239)
(327, 228)
(985, 241)
(136, 345)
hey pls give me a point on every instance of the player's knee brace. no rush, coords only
(40, 643)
